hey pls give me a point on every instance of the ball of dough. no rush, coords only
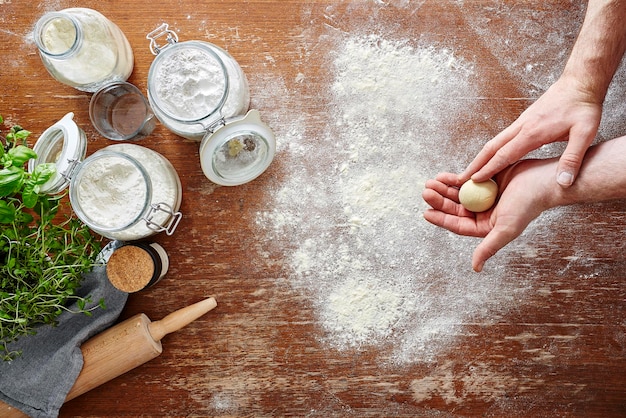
(478, 197)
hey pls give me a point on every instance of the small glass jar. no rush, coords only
(124, 191)
(83, 49)
(193, 84)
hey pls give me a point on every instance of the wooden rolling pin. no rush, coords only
(123, 347)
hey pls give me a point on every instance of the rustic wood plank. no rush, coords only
(556, 346)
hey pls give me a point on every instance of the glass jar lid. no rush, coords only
(187, 81)
(237, 150)
(63, 144)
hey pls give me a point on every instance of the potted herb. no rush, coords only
(42, 258)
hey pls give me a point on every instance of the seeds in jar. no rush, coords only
(238, 154)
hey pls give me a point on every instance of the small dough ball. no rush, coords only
(478, 197)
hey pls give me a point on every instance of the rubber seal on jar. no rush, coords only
(63, 144)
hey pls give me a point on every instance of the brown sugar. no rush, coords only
(130, 268)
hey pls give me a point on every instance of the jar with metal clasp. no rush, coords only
(192, 84)
(198, 91)
(82, 48)
(123, 192)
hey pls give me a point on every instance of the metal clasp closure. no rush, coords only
(215, 125)
(162, 30)
(71, 168)
(171, 225)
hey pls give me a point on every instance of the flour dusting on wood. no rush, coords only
(348, 213)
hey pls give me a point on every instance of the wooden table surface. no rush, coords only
(542, 332)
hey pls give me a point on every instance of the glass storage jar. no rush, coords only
(192, 84)
(82, 48)
(124, 191)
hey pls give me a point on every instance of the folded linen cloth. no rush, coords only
(38, 381)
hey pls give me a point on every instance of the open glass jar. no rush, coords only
(124, 191)
(192, 84)
(198, 91)
(82, 48)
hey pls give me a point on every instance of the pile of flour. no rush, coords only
(348, 212)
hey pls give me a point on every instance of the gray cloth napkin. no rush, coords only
(38, 382)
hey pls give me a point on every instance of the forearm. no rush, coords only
(599, 48)
(602, 176)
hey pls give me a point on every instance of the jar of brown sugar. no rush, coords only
(134, 267)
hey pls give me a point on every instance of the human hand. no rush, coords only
(524, 194)
(565, 112)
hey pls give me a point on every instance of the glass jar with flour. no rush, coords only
(124, 191)
(200, 92)
(193, 84)
(82, 48)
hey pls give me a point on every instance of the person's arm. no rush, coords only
(570, 110)
(602, 176)
(599, 48)
(526, 191)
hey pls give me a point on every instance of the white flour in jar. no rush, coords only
(112, 191)
(59, 36)
(97, 58)
(190, 84)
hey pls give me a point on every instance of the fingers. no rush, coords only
(449, 179)
(480, 166)
(442, 219)
(461, 225)
(446, 212)
(510, 153)
(572, 157)
(442, 198)
(494, 241)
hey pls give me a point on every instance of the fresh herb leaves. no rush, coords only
(42, 260)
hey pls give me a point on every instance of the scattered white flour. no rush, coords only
(347, 215)
(349, 210)
(531, 42)
(533, 45)
(614, 111)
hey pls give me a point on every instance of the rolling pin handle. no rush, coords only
(180, 318)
